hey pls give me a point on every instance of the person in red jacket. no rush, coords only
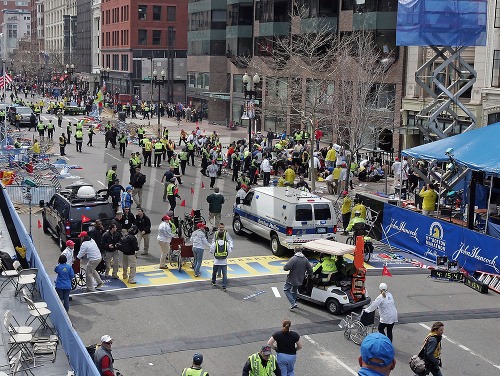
(103, 358)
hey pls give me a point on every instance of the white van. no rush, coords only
(287, 217)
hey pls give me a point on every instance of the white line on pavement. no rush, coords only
(326, 352)
(150, 192)
(112, 156)
(100, 182)
(463, 347)
(276, 292)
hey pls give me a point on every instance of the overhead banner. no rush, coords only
(429, 237)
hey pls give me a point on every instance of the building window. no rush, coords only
(116, 62)
(171, 14)
(142, 10)
(156, 12)
(156, 37)
(495, 79)
(142, 37)
(124, 62)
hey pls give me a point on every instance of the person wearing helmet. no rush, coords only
(195, 369)
(129, 246)
(325, 270)
(164, 238)
(69, 252)
(387, 310)
(357, 224)
(358, 206)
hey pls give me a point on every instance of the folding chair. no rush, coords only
(40, 314)
(17, 341)
(16, 329)
(37, 304)
(17, 364)
(45, 347)
(26, 278)
(10, 275)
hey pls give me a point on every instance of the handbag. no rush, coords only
(417, 364)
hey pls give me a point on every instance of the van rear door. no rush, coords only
(323, 219)
(304, 220)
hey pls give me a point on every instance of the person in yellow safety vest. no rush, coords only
(298, 136)
(305, 136)
(111, 175)
(326, 269)
(190, 149)
(62, 144)
(134, 110)
(138, 160)
(107, 127)
(90, 133)
(41, 130)
(69, 130)
(172, 194)
(50, 130)
(165, 133)
(195, 369)
(331, 157)
(140, 134)
(359, 207)
(357, 224)
(146, 112)
(289, 175)
(175, 163)
(2, 115)
(147, 147)
(79, 140)
(166, 147)
(79, 125)
(36, 149)
(220, 248)
(158, 152)
(17, 144)
(262, 363)
(345, 210)
(282, 181)
(183, 160)
(336, 179)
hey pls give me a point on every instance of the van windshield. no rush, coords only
(322, 212)
(303, 212)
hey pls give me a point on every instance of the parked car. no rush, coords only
(25, 113)
(62, 215)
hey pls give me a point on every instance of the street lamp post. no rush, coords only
(250, 103)
(159, 82)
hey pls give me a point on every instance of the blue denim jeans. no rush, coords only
(198, 258)
(291, 292)
(286, 362)
(223, 268)
(64, 296)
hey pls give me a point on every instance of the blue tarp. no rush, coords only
(441, 23)
(478, 149)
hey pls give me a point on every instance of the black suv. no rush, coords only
(62, 215)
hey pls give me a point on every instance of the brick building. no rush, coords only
(138, 36)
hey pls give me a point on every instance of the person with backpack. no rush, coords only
(129, 246)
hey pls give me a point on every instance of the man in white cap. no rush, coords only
(103, 359)
(91, 251)
(377, 356)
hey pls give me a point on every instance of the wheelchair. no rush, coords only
(358, 326)
(188, 224)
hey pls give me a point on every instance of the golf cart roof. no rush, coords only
(329, 247)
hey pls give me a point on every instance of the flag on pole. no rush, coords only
(202, 185)
(99, 97)
(39, 224)
(192, 212)
(183, 203)
(5, 79)
(85, 219)
(386, 272)
(192, 191)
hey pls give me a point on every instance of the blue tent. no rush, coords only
(478, 149)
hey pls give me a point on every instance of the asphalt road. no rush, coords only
(157, 329)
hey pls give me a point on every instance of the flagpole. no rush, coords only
(5, 97)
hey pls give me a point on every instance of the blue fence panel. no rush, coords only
(429, 237)
(79, 358)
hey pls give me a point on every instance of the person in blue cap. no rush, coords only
(195, 369)
(376, 356)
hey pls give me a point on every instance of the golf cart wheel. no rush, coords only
(358, 332)
(237, 226)
(276, 248)
(367, 255)
(333, 306)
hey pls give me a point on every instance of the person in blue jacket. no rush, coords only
(65, 274)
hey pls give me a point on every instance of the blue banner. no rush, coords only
(429, 237)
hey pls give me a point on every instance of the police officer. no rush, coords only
(79, 140)
(41, 129)
(140, 134)
(190, 149)
(111, 175)
(183, 159)
(172, 194)
(132, 163)
(175, 163)
(195, 369)
(122, 140)
(147, 148)
(62, 144)
(134, 109)
(158, 153)
(90, 133)
(69, 130)
(59, 119)
(220, 248)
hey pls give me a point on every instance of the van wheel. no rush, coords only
(276, 248)
(237, 226)
(333, 306)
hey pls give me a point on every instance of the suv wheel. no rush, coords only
(276, 248)
(237, 226)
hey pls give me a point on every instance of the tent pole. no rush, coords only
(488, 207)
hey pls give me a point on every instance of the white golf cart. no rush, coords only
(346, 291)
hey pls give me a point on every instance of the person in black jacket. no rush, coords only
(144, 230)
(97, 233)
(129, 246)
(110, 242)
(137, 181)
(127, 221)
(115, 192)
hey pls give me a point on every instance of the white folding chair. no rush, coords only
(10, 275)
(17, 341)
(26, 279)
(41, 314)
(37, 304)
(16, 329)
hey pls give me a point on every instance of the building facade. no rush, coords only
(138, 37)
(83, 53)
(228, 38)
(15, 27)
(37, 25)
(60, 31)
(22, 5)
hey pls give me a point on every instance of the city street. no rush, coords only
(156, 329)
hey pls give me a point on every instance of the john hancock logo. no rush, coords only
(434, 240)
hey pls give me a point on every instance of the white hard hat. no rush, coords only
(382, 286)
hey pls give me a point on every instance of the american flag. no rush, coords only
(5, 78)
